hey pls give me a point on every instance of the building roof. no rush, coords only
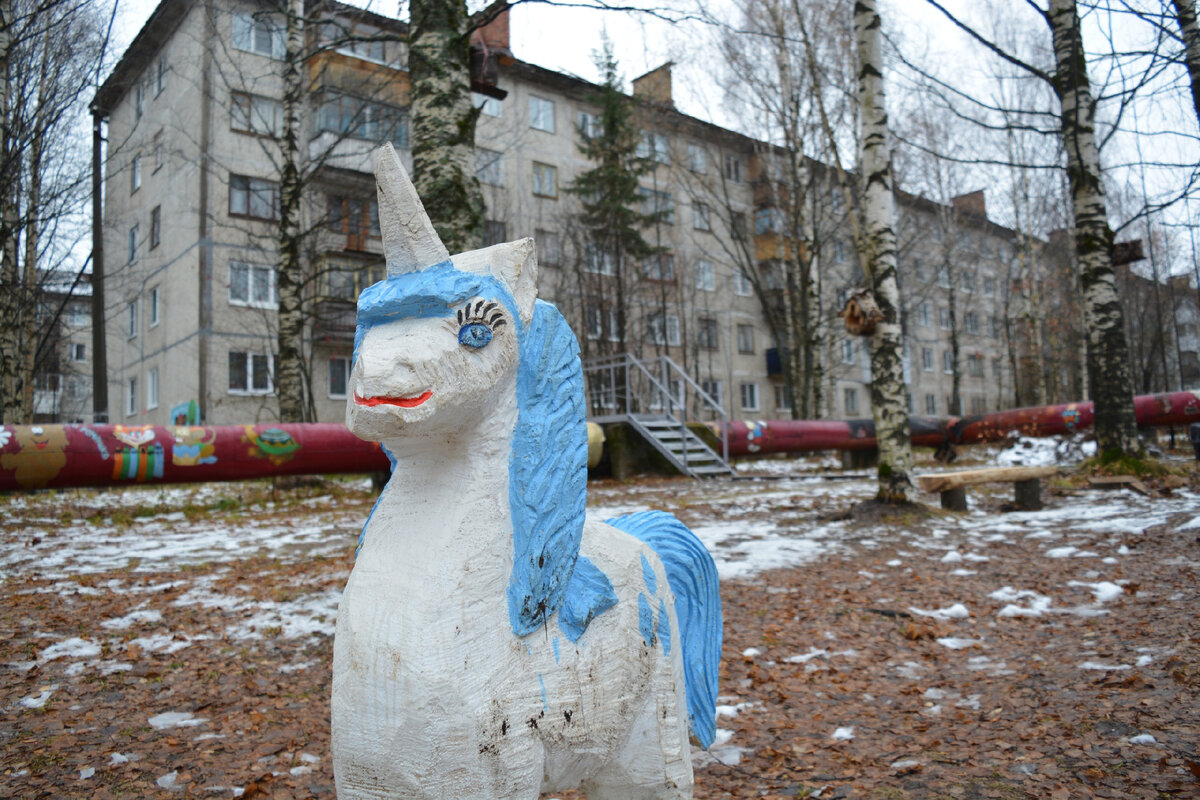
(162, 23)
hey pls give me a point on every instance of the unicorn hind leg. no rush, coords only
(655, 762)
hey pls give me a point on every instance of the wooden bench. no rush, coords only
(952, 485)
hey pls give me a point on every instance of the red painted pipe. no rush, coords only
(60, 456)
(37, 456)
(794, 436)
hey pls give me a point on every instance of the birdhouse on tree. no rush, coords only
(861, 313)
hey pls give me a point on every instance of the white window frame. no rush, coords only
(781, 398)
(345, 370)
(154, 298)
(544, 174)
(249, 372)
(160, 77)
(931, 404)
(135, 173)
(850, 400)
(597, 261)
(706, 276)
(733, 168)
(745, 338)
(697, 158)
(78, 352)
(131, 319)
(748, 394)
(713, 387)
(488, 106)
(701, 218)
(541, 114)
(847, 351)
(251, 300)
(742, 286)
(549, 247)
(703, 326)
(927, 359)
(948, 362)
(593, 323)
(131, 397)
(923, 315)
(152, 388)
(667, 334)
(158, 148)
(250, 29)
(944, 319)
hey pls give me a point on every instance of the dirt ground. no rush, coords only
(851, 675)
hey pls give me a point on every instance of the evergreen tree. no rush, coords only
(613, 219)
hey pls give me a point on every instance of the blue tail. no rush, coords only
(693, 579)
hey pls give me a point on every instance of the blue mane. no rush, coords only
(548, 461)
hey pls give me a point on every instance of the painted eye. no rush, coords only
(475, 335)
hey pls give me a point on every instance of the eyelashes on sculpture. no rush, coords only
(478, 321)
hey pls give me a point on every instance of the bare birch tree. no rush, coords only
(889, 395)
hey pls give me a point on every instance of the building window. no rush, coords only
(927, 359)
(944, 318)
(589, 125)
(712, 388)
(733, 170)
(249, 113)
(978, 404)
(356, 118)
(152, 388)
(155, 226)
(541, 114)
(653, 146)
(489, 166)
(158, 150)
(994, 327)
(249, 373)
(545, 180)
(78, 313)
(339, 284)
(700, 217)
(847, 351)
(251, 285)
(975, 365)
(549, 248)
(741, 284)
(78, 351)
(598, 260)
(339, 376)
(135, 174)
(930, 404)
(850, 400)
(737, 224)
(494, 232)
(948, 362)
(966, 282)
(160, 77)
(659, 267)
(139, 99)
(923, 314)
(989, 285)
(971, 322)
(749, 393)
(153, 306)
(594, 322)
(745, 338)
(996, 370)
(133, 241)
(131, 390)
(355, 218)
(657, 204)
(706, 278)
(767, 220)
(488, 106)
(662, 330)
(783, 400)
(706, 333)
(697, 159)
(253, 197)
(257, 33)
(943, 277)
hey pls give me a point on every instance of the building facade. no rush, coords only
(191, 235)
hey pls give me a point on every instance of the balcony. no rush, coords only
(334, 320)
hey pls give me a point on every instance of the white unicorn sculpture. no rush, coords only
(491, 642)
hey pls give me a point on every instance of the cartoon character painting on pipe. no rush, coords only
(492, 641)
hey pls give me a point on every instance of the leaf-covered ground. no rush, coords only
(177, 642)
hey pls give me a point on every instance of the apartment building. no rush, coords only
(191, 193)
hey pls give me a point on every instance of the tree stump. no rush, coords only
(955, 499)
(1029, 494)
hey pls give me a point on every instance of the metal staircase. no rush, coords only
(653, 396)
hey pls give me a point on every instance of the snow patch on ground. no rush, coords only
(956, 611)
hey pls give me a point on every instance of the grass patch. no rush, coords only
(1117, 462)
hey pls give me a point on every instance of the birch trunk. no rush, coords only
(1185, 13)
(889, 401)
(1107, 346)
(443, 121)
(11, 389)
(290, 374)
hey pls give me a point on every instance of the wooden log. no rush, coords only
(940, 482)
(1029, 494)
(955, 499)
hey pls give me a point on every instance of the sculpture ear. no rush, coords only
(409, 241)
(514, 263)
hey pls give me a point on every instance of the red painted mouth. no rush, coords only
(403, 402)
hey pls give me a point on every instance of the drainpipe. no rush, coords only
(99, 351)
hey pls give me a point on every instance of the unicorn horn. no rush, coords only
(409, 241)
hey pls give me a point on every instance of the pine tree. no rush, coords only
(612, 217)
